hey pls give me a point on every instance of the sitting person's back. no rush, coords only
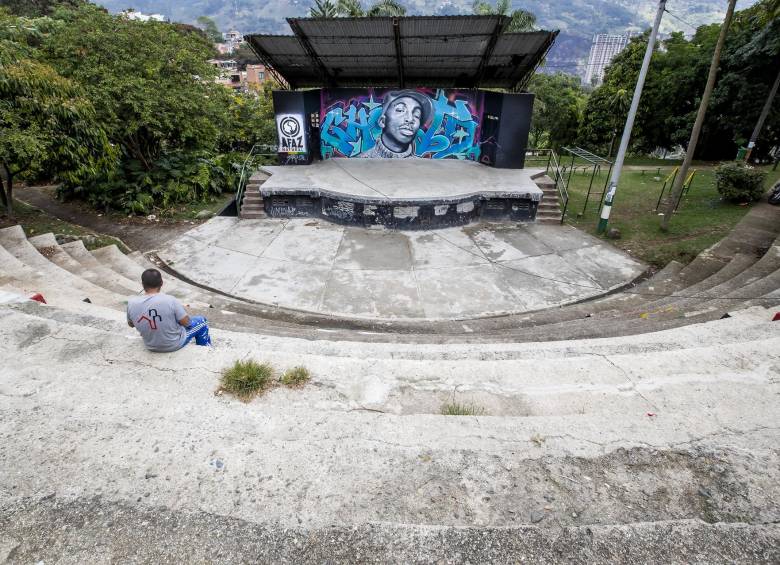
(161, 319)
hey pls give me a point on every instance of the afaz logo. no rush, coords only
(290, 130)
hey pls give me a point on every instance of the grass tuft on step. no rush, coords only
(247, 379)
(461, 409)
(295, 377)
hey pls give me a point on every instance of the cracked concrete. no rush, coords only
(626, 435)
(456, 273)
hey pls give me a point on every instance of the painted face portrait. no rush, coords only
(400, 123)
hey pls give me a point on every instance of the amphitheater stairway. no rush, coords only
(663, 439)
(658, 444)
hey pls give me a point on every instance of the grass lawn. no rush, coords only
(35, 222)
(702, 219)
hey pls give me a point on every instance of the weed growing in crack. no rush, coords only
(462, 409)
(295, 377)
(247, 379)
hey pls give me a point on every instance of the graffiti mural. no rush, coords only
(375, 123)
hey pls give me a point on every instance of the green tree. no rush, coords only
(350, 8)
(386, 8)
(154, 94)
(354, 9)
(252, 116)
(749, 64)
(37, 8)
(47, 122)
(558, 107)
(209, 26)
(521, 20)
(323, 9)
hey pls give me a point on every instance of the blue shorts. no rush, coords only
(199, 330)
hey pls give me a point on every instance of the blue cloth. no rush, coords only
(199, 330)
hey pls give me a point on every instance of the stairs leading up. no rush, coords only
(549, 210)
(252, 206)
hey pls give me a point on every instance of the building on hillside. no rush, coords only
(231, 76)
(602, 51)
(256, 74)
(141, 17)
(231, 41)
(224, 48)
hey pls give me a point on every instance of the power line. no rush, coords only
(689, 24)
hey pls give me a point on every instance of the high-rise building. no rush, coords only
(602, 51)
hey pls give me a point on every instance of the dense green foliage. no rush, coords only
(558, 107)
(37, 8)
(354, 9)
(678, 71)
(146, 87)
(519, 20)
(739, 183)
(210, 28)
(47, 122)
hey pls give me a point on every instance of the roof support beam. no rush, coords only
(327, 80)
(399, 55)
(266, 59)
(489, 48)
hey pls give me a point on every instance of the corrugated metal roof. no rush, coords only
(463, 51)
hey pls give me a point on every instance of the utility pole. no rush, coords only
(621, 156)
(677, 187)
(762, 117)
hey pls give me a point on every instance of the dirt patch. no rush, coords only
(139, 233)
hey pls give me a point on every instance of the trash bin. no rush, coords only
(741, 152)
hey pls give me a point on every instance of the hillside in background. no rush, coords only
(578, 20)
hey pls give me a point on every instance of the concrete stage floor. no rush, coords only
(401, 180)
(483, 269)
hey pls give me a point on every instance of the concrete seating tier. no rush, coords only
(660, 447)
(659, 444)
(712, 285)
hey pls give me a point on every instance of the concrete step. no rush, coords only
(111, 280)
(363, 431)
(13, 240)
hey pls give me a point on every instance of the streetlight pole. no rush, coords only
(621, 156)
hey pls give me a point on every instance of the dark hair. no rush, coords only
(151, 278)
(426, 106)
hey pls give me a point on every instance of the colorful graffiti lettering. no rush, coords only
(444, 125)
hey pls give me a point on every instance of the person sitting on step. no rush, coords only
(161, 319)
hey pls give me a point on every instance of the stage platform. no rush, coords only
(484, 269)
(400, 193)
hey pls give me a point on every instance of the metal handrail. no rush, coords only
(248, 168)
(561, 184)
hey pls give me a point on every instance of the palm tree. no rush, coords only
(353, 9)
(350, 8)
(386, 8)
(521, 20)
(323, 9)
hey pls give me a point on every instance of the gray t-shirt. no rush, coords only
(156, 317)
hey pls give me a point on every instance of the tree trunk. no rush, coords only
(9, 191)
(674, 196)
(3, 200)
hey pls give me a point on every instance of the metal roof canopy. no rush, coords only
(437, 51)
